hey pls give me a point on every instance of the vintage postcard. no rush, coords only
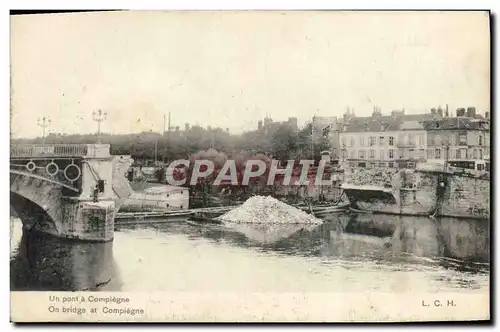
(250, 166)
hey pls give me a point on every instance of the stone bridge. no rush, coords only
(68, 190)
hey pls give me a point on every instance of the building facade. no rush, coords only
(383, 140)
(402, 140)
(463, 137)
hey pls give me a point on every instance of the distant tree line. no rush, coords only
(282, 142)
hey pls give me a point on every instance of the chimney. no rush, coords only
(227, 130)
(487, 115)
(440, 111)
(433, 111)
(177, 128)
(267, 120)
(471, 112)
(376, 112)
(186, 126)
(292, 121)
(460, 112)
(259, 124)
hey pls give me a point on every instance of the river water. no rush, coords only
(348, 253)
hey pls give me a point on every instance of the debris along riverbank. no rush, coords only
(267, 210)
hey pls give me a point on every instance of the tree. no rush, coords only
(284, 143)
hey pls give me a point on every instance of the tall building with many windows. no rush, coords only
(464, 137)
(401, 140)
(383, 140)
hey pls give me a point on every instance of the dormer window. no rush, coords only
(438, 125)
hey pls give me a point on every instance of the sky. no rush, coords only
(230, 69)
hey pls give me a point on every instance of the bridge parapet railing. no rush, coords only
(59, 150)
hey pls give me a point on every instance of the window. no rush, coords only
(421, 140)
(391, 154)
(453, 140)
(480, 140)
(391, 140)
(372, 140)
(457, 153)
(361, 141)
(382, 155)
(391, 164)
(343, 141)
(481, 154)
(437, 140)
(438, 153)
(474, 154)
(381, 140)
(430, 154)
(421, 153)
(463, 153)
(353, 154)
(361, 154)
(480, 167)
(372, 153)
(353, 143)
(462, 137)
(411, 153)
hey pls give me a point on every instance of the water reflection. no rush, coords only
(451, 243)
(267, 234)
(42, 262)
(180, 256)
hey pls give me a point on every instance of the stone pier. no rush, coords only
(71, 190)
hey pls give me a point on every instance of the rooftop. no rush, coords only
(398, 121)
(478, 122)
(395, 122)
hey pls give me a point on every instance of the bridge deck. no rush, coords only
(25, 151)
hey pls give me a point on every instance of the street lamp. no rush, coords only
(99, 117)
(44, 123)
(156, 147)
(446, 150)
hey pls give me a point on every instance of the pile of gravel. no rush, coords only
(268, 210)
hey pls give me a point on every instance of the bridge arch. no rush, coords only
(68, 187)
(36, 200)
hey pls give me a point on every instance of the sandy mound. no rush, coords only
(268, 210)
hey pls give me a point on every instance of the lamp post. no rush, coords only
(312, 137)
(156, 151)
(446, 150)
(44, 123)
(99, 117)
